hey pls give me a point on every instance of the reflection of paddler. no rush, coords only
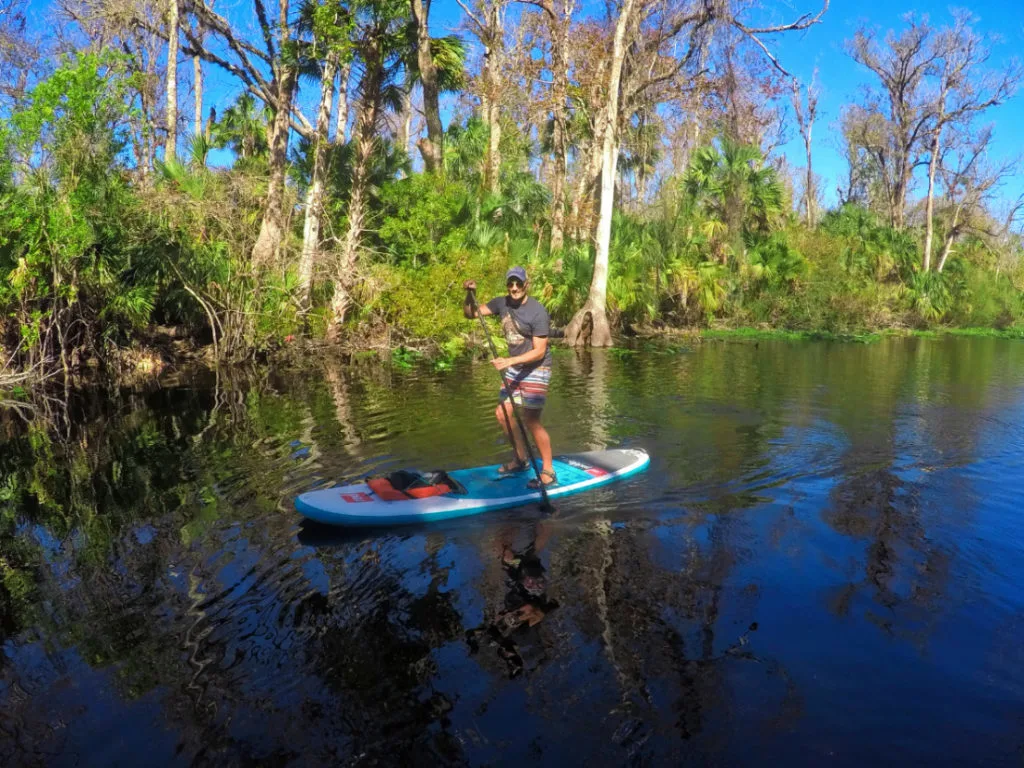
(526, 604)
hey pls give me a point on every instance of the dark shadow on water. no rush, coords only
(314, 534)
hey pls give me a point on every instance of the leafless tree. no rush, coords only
(903, 65)
(972, 185)
(805, 107)
(963, 91)
(486, 20)
(17, 53)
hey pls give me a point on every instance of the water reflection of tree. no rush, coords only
(96, 520)
(587, 376)
(919, 410)
(373, 648)
(658, 627)
(338, 385)
(115, 542)
(115, 536)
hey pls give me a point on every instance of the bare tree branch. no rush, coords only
(471, 16)
(804, 22)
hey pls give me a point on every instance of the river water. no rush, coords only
(822, 565)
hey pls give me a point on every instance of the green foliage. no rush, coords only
(637, 266)
(91, 252)
(775, 262)
(208, 282)
(562, 282)
(931, 295)
(733, 189)
(449, 55)
(421, 218)
(6, 167)
(449, 352)
(404, 358)
(87, 258)
(991, 301)
(465, 147)
(424, 303)
(870, 247)
(66, 271)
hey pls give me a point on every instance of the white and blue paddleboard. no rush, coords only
(355, 505)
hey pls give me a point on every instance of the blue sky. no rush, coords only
(820, 47)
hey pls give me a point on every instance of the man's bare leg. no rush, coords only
(531, 418)
(506, 418)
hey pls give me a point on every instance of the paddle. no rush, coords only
(546, 504)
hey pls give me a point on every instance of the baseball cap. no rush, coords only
(516, 272)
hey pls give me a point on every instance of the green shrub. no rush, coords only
(423, 218)
(66, 273)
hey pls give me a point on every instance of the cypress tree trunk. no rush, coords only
(341, 129)
(432, 147)
(170, 147)
(929, 217)
(492, 86)
(595, 307)
(197, 80)
(560, 66)
(268, 243)
(315, 194)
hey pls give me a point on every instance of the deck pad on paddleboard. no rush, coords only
(485, 490)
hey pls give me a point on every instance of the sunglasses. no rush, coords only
(514, 283)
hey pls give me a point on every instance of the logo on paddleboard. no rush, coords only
(355, 498)
(576, 463)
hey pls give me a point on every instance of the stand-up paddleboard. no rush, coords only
(444, 495)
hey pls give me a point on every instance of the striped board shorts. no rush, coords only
(529, 388)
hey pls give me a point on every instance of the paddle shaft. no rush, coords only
(515, 408)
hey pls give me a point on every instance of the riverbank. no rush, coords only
(163, 352)
(738, 334)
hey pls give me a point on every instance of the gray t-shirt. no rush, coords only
(520, 324)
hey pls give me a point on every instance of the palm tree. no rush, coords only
(325, 52)
(448, 55)
(243, 129)
(732, 186)
(641, 152)
(378, 45)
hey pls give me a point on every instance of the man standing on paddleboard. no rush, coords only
(527, 369)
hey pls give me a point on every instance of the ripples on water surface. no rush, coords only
(821, 566)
